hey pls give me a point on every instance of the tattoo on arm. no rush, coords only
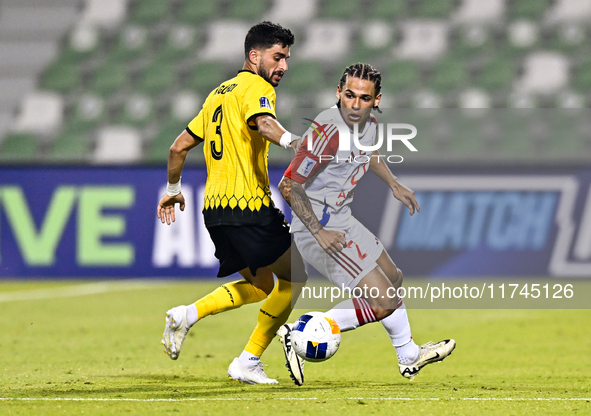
(301, 206)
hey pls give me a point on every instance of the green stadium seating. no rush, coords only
(110, 77)
(527, 9)
(20, 147)
(248, 10)
(387, 9)
(449, 74)
(497, 74)
(157, 78)
(167, 133)
(149, 11)
(401, 76)
(193, 11)
(71, 146)
(206, 76)
(342, 9)
(303, 76)
(181, 42)
(132, 43)
(434, 9)
(582, 78)
(61, 76)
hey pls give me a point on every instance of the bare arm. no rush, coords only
(400, 192)
(295, 195)
(272, 130)
(176, 160)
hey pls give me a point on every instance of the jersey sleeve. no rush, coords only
(259, 99)
(308, 163)
(196, 127)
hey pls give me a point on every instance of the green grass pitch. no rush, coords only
(94, 348)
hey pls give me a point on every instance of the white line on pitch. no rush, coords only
(198, 399)
(76, 290)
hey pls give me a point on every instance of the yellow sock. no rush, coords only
(272, 315)
(229, 296)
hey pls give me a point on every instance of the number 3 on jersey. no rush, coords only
(217, 155)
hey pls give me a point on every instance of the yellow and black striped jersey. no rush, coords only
(237, 189)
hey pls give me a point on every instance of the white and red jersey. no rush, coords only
(329, 175)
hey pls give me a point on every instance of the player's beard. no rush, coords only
(268, 75)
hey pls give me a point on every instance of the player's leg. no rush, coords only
(411, 357)
(229, 296)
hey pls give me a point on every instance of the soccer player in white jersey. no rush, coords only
(319, 186)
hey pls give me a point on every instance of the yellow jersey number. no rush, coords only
(217, 155)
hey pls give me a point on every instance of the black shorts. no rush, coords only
(252, 246)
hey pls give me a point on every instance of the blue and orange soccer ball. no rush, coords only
(315, 337)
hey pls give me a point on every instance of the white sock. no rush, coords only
(407, 353)
(192, 314)
(398, 329)
(344, 315)
(248, 359)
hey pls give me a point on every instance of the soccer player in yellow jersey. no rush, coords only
(236, 126)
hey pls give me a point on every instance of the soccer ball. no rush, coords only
(315, 337)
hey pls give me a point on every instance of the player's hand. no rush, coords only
(166, 207)
(296, 144)
(407, 197)
(331, 241)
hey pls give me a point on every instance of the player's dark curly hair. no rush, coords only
(266, 34)
(362, 71)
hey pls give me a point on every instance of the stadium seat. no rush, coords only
(208, 75)
(62, 76)
(168, 131)
(474, 12)
(303, 76)
(118, 144)
(470, 41)
(132, 43)
(523, 35)
(148, 12)
(138, 110)
(497, 74)
(225, 41)
(283, 11)
(324, 36)
(19, 147)
(570, 38)
(83, 42)
(181, 41)
(185, 105)
(582, 76)
(112, 76)
(192, 11)
(40, 113)
(544, 72)
(449, 74)
(527, 9)
(423, 40)
(569, 11)
(434, 9)
(387, 9)
(157, 78)
(401, 76)
(89, 111)
(341, 9)
(71, 146)
(247, 10)
(104, 13)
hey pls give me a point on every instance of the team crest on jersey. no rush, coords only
(306, 167)
(265, 103)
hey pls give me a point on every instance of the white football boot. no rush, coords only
(250, 375)
(428, 353)
(293, 362)
(175, 331)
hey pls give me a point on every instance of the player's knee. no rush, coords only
(266, 285)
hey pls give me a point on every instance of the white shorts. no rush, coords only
(347, 267)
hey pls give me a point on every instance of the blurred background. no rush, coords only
(115, 81)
